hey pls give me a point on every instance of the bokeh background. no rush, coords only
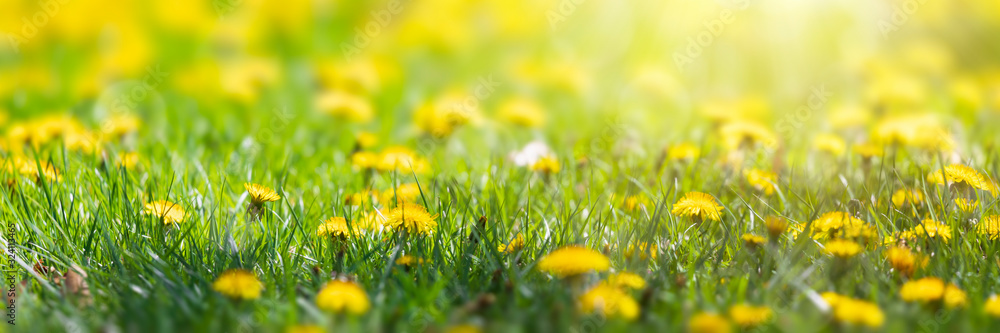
(222, 70)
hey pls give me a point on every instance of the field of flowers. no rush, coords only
(500, 166)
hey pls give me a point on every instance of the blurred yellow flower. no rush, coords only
(627, 280)
(120, 125)
(932, 289)
(704, 322)
(868, 150)
(546, 165)
(401, 159)
(749, 316)
(645, 249)
(683, 151)
(841, 225)
(466, 328)
(238, 284)
(340, 297)
(857, 312)
(404, 193)
(345, 106)
(573, 260)
(928, 229)
(336, 227)
(522, 112)
(698, 205)
(761, 180)
(989, 226)
(746, 134)
(842, 248)
(753, 241)
(408, 260)
(366, 140)
(364, 160)
(305, 329)
(830, 144)
(903, 198)
(609, 301)
(992, 306)
(904, 261)
(775, 225)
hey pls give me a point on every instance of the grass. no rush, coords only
(147, 276)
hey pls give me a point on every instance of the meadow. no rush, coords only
(500, 166)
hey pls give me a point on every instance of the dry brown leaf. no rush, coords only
(75, 285)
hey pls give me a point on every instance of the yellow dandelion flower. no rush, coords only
(744, 134)
(336, 227)
(362, 198)
(646, 250)
(990, 227)
(906, 197)
(341, 296)
(698, 205)
(515, 245)
(465, 328)
(960, 174)
(400, 159)
(830, 144)
(128, 160)
(868, 150)
(371, 220)
(366, 140)
(761, 180)
(627, 280)
(364, 160)
(704, 322)
(35, 170)
(168, 211)
(928, 229)
(753, 241)
(966, 205)
(904, 261)
(522, 112)
(573, 260)
(633, 202)
(120, 125)
(409, 192)
(547, 165)
(609, 301)
(408, 260)
(238, 284)
(842, 248)
(411, 217)
(260, 194)
(832, 298)
(955, 297)
(932, 289)
(345, 106)
(775, 225)
(858, 312)
(305, 329)
(841, 225)
(749, 316)
(683, 152)
(992, 306)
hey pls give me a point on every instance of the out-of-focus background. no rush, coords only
(402, 69)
